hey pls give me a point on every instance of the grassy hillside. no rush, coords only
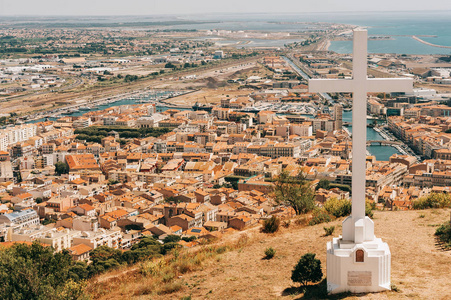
(236, 269)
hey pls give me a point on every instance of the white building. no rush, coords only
(20, 219)
(101, 237)
(58, 239)
(16, 134)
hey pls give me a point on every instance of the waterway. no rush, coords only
(125, 101)
(382, 153)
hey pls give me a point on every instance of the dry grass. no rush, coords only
(420, 269)
(161, 276)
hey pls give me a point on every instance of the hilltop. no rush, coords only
(420, 268)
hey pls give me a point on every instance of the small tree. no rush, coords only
(296, 192)
(307, 270)
(271, 225)
(323, 184)
(61, 168)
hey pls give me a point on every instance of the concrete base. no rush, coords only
(358, 268)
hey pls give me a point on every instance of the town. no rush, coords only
(113, 138)
(129, 171)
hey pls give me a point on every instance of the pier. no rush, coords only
(429, 44)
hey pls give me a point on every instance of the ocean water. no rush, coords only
(396, 24)
(401, 26)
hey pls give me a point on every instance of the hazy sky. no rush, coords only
(151, 7)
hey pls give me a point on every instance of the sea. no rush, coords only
(400, 26)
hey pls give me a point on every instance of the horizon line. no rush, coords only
(221, 13)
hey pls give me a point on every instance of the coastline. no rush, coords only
(326, 47)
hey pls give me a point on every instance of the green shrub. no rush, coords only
(271, 225)
(308, 269)
(369, 207)
(172, 238)
(434, 200)
(444, 234)
(343, 187)
(323, 184)
(338, 207)
(269, 253)
(319, 216)
(329, 230)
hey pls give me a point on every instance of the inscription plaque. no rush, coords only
(359, 278)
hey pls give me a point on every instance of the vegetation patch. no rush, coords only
(329, 230)
(271, 225)
(97, 133)
(269, 253)
(443, 234)
(294, 191)
(434, 200)
(160, 275)
(308, 269)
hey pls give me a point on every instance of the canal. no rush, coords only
(382, 153)
(125, 101)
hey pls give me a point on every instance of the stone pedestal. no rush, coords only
(362, 267)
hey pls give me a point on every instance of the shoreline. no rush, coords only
(326, 47)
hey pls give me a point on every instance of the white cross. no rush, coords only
(359, 85)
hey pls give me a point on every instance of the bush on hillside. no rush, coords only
(308, 269)
(369, 207)
(269, 253)
(443, 233)
(320, 215)
(338, 207)
(271, 225)
(434, 200)
(329, 230)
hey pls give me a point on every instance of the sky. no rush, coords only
(153, 7)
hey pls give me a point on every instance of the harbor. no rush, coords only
(139, 97)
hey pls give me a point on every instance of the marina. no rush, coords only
(155, 97)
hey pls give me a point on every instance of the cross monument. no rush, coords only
(357, 261)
